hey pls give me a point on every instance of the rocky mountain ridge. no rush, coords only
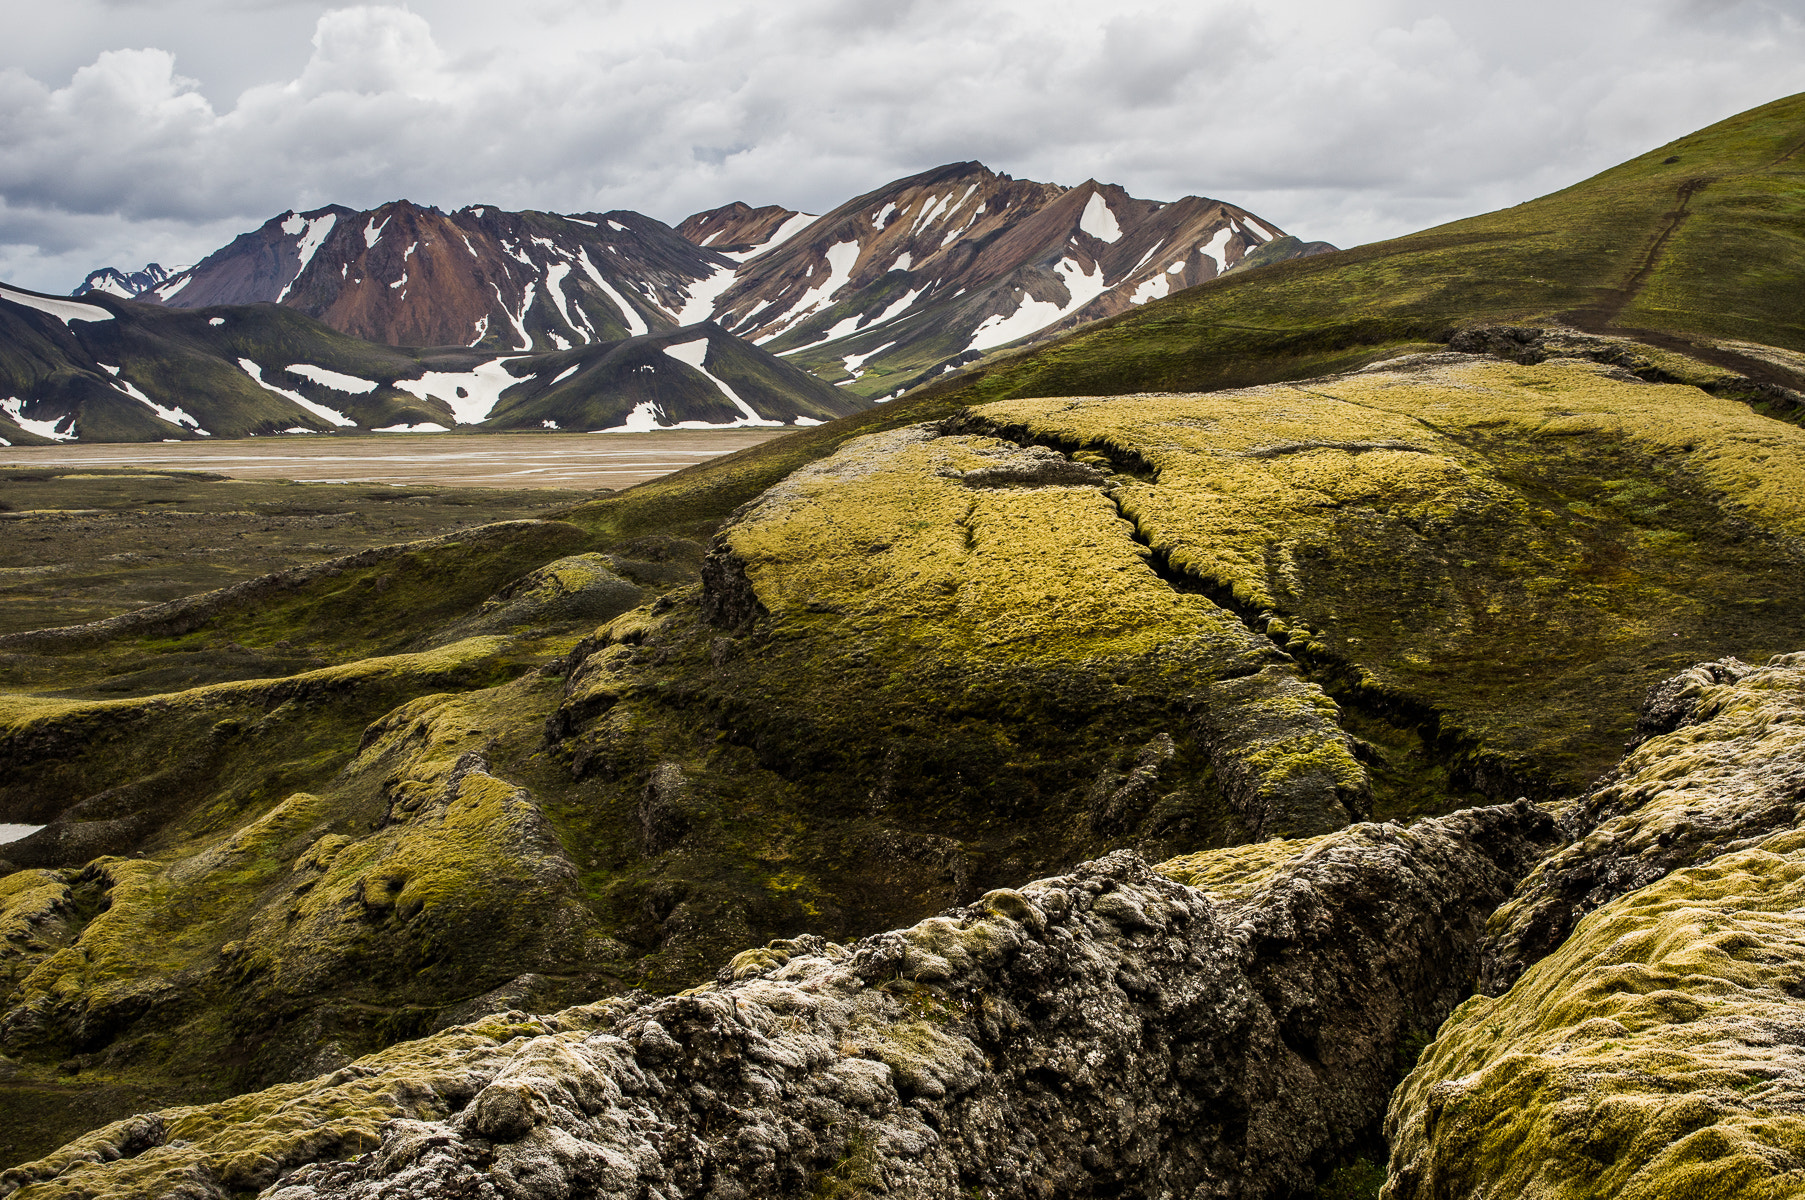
(125, 284)
(912, 279)
(933, 271)
(479, 277)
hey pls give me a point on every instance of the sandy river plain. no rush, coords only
(580, 461)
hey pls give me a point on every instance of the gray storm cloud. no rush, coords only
(1347, 121)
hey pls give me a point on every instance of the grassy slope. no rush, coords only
(1622, 251)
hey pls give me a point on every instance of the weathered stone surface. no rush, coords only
(1106, 1032)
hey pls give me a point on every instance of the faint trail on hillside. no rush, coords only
(1597, 317)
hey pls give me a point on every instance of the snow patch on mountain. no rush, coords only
(645, 418)
(779, 236)
(1034, 315)
(903, 262)
(1217, 248)
(840, 259)
(319, 410)
(554, 287)
(855, 363)
(883, 214)
(695, 354)
(63, 310)
(895, 309)
(519, 322)
(636, 324)
(311, 240)
(111, 283)
(1099, 220)
(1151, 289)
(14, 408)
(175, 416)
(471, 394)
(349, 384)
(422, 427)
(373, 232)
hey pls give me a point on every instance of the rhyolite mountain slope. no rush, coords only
(915, 278)
(929, 272)
(104, 370)
(124, 284)
(1303, 641)
(481, 277)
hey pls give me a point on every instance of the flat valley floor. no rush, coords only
(580, 461)
(92, 531)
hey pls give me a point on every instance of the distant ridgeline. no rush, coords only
(1337, 726)
(894, 288)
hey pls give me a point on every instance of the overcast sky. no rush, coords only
(137, 130)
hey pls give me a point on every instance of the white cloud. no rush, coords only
(1346, 120)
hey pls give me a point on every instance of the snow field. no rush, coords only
(319, 410)
(351, 385)
(1099, 220)
(636, 324)
(175, 416)
(63, 310)
(481, 389)
(14, 408)
(311, 240)
(1034, 315)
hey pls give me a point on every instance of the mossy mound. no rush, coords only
(1653, 1055)
(1519, 550)
(1652, 1049)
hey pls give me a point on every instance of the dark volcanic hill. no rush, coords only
(933, 271)
(107, 370)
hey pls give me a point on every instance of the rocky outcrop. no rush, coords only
(1110, 1031)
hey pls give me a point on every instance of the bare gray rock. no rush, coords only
(1103, 1033)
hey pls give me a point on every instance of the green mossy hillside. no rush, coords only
(378, 601)
(1510, 555)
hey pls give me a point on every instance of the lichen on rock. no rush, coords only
(1102, 1031)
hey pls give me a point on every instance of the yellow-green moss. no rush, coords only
(1237, 873)
(1652, 1057)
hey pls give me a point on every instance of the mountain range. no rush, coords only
(891, 289)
